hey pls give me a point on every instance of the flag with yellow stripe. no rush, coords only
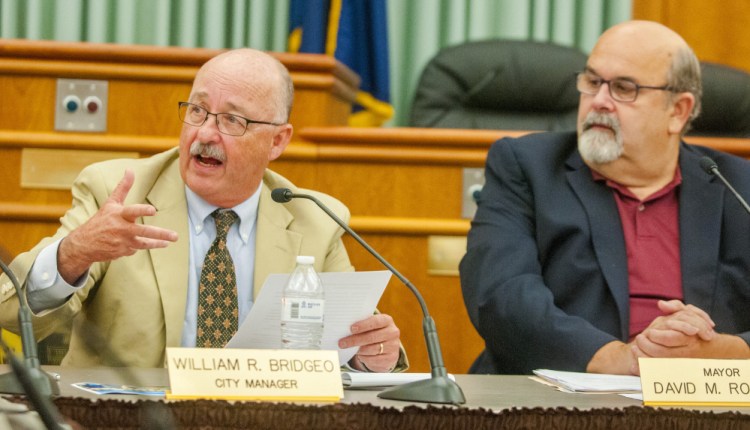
(355, 33)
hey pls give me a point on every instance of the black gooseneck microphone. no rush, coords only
(28, 378)
(47, 411)
(710, 167)
(38, 386)
(439, 388)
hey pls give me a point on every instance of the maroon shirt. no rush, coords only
(652, 241)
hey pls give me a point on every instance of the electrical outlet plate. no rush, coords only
(81, 105)
(473, 181)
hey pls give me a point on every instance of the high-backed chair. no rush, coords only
(499, 84)
(726, 102)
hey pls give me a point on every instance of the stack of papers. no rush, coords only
(575, 382)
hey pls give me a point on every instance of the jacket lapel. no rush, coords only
(276, 247)
(171, 263)
(700, 229)
(606, 233)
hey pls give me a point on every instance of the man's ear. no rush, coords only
(682, 107)
(281, 138)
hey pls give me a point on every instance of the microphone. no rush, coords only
(39, 386)
(439, 388)
(47, 411)
(28, 378)
(710, 167)
(42, 381)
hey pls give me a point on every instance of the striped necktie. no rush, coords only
(217, 290)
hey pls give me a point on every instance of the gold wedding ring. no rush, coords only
(381, 348)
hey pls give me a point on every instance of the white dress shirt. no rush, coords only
(46, 289)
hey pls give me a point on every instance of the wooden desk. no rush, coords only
(492, 392)
(492, 402)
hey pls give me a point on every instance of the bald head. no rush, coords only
(647, 37)
(652, 46)
(258, 75)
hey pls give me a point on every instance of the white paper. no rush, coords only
(349, 296)
(590, 382)
(362, 379)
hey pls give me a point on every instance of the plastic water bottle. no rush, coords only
(302, 307)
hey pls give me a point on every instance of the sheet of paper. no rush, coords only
(350, 297)
(363, 380)
(590, 382)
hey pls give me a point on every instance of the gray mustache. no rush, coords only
(207, 151)
(600, 119)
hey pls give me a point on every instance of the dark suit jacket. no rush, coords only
(545, 274)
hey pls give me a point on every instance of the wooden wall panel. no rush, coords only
(717, 31)
(460, 343)
(404, 190)
(145, 84)
(399, 199)
(28, 95)
(10, 179)
(145, 108)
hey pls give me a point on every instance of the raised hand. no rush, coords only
(111, 233)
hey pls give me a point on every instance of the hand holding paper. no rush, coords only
(350, 297)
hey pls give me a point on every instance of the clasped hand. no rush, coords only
(684, 331)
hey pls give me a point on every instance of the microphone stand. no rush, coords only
(42, 403)
(43, 382)
(712, 168)
(439, 388)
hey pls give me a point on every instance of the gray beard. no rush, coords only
(600, 147)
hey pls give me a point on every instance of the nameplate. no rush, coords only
(254, 374)
(695, 382)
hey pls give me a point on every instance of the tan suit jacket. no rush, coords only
(135, 306)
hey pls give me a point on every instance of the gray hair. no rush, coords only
(685, 76)
(285, 94)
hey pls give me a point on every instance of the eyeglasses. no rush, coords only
(227, 123)
(621, 89)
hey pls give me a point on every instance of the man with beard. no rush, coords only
(591, 249)
(126, 264)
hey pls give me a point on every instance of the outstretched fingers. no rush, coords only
(123, 187)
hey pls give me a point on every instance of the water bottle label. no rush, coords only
(302, 310)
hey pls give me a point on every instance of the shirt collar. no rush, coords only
(624, 191)
(200, 210)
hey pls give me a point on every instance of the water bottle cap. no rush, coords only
(305, 259)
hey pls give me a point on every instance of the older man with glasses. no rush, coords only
(591, 249)
(127, 264)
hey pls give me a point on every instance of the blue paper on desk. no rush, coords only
(97, 388)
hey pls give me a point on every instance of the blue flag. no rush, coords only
(355, 33)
